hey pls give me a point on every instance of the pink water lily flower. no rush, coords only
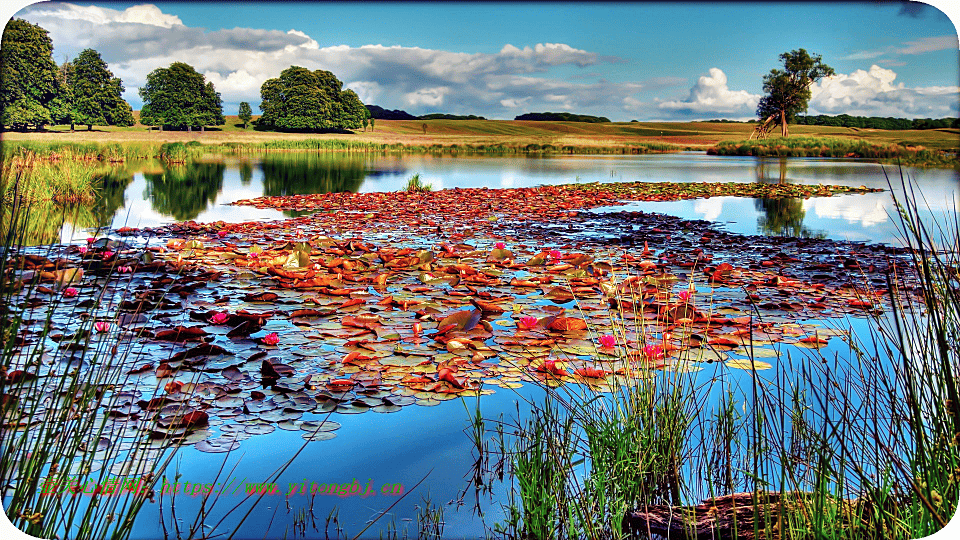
(270, 339)
(683, 296)
(124, 269)
(253, 255)
(91, 240)
(82, 249)
(417, 328)
(528, 322)
(653, 351)
(219, 318)
(221, 234)
(107, 254)
(556, 255)
(607, 341)
(500, 245)
(101, 326)
(70, 292)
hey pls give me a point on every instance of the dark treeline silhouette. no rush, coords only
(562, 117)
(443, 116)
(866, 122)
(379, 113)
(876, 122)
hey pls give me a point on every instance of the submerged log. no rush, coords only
(740, 515)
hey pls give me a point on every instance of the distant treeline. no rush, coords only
(441, 116)
(379, 113)
(562, 117)
(876, 122)
(868, 122)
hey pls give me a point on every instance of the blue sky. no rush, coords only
(644, 61)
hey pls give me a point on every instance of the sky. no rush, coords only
(648, 61)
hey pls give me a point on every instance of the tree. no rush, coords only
(178, 97)
(95, 94)
(245, 113)
(304, 100)
(788, 90)
(28, 76)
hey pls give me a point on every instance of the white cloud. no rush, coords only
(367, 91)
(140, 39)
(930, 44)
(710, 96)
(142, 14)
(431, 97)
(875, 92)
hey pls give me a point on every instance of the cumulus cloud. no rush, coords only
(875, 92)
(711, 97)
(142, 14)
(142, 38)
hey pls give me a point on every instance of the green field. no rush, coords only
(689, 135)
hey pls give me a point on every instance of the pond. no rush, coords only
(387, 454)
(136, 197)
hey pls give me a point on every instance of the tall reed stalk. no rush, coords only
(861, 443)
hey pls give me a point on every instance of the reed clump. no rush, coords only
(907, 154)
(859, 444)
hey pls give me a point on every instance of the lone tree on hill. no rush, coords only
(178, 97)
(245, 113)
(29, 81)
(304, 100)
(788, 90)
(95, 94)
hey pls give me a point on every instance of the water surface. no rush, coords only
(145, 197)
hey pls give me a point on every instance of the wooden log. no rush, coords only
(737, 516)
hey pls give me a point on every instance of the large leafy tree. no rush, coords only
(304, 100)
(95, 93)
(788, 90)
(28, 76)
(178, 97)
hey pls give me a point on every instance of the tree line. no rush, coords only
(877, 122)
(379, 113)
(35, 91)
(562, 117)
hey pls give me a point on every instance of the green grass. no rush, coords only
(414, 184)
(55, 427)
(836, 148)
(841, 446)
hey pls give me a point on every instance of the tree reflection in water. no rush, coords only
(781, 216)
(184, 191)
(111, 187)
(293, 174)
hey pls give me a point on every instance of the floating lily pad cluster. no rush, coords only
(226, 331)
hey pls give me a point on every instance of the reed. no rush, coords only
(859, 444)
(61, 448)
(906, 154)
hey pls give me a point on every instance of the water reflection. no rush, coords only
(203, 191)
(111, 187)
(246, 173)
(312, 173)
(781, 216)
(184, 191)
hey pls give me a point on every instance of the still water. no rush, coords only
(146, 196)
(381, 451)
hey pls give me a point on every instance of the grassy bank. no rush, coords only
(512, 133)
(835, 148)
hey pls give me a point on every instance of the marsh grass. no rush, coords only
(907, 154)
(415, 185)
(861, 443)
(60, 450)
